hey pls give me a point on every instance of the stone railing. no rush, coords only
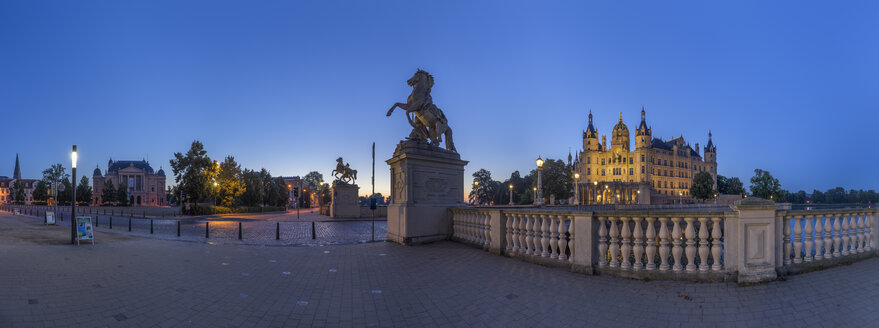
(750, 241)
(825, 237)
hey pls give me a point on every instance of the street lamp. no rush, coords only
(535, 195)
(595, 192)
(511, 194)
(539, 181)
(576, 188)
(73, 157)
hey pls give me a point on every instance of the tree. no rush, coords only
(835, 196)
(817, 197)
(41, 191)
(798, 197)
(702, 186)
(193, 172)
(109, 194)
(53, 177)
(231, 182)
(763, 185)
(122, 195)
(313, 180)
(557, 179)
(84, 191)
(729, 186)
(278, 194)
(483, 187)
(66, 195)
(17, 193)
(254, 193)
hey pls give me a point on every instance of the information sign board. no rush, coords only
(50, 217)
(84, 230)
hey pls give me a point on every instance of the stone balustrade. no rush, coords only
(826, 237)
(749, 242)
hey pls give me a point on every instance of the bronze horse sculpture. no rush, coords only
(428, 121)
(343, 172)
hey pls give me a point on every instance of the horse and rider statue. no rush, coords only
(343, 172)
(428, 122)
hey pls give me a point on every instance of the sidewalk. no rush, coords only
(125, 281)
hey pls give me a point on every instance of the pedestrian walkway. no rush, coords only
(125, 281)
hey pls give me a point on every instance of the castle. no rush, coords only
(655, 172)
(145, 186)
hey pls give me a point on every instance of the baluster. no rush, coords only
(703, 245)
(798, 240)
(716, 249)
(570, 240)
(837, 236)
(554, 235)
(626, 244)
(468, 227)
(809, 237)
(602, 242)
(868, 232)
(651, 244)
(563, 240)
(546, 236)
(853, 233)
(639, 243)
(614, 243)
(529, 239)
(785, 219)
(475, 229)
(523, 246)
(861, 236)
(508, 228)
(487, 231)
(828, 236)
(845, 233)
(819, 242)
(676, 240)
(455, 225)
(665, 240)
(465, 228)
(691, 244)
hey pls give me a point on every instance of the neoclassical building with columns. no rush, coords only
(145, 186)
(656, 171)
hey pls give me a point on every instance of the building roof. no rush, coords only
(161, 172)
(17, 173)
(97, 172)
(669, 145)
(118, 165)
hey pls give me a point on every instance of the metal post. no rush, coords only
(178, 228)
(111, 223)
(73, 201)
(239, 230)
(278, 231)
(313, 233)
(151, 226)
(372, 196)
(207, 229)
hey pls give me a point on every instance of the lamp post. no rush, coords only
(595, 192)
(511, 194)
(577, 189)
(475, 192)
(539, 181)
(73, 198)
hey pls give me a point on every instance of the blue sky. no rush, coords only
(788, 87)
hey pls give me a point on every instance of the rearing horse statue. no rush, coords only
(428, 121)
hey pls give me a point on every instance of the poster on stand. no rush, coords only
(84, 230)
(16, 211)
(50, 218)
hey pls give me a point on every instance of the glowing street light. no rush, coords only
(539, 181)
(511, 194)
(576, 188)
(73, 158)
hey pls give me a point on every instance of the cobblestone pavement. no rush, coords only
(256, 229)
(125, 281)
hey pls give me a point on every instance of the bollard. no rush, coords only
(207, 230)
(313, 233)
(97, 221)
(129, 224)
(239, 230)
(178, 228)
(111, 223)
(151, 226)
(144, 214)
(278, 231)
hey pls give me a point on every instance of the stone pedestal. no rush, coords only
(753, 244)
(344, 203)
(425, 182)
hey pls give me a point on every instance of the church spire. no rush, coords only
(17, 174)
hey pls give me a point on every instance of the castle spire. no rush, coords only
(17, 173)
(590, 116)
(642, 113)
(621, 117)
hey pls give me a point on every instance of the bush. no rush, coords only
(211, 210)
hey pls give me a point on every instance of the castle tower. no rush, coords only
(620, 137)
(710, 150)
(590, 136)
(643, 135)
(17, 173)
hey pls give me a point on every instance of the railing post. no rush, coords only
(207, 229)
(277, 230)
(239, 230)
(497, 233)
(758, 240)
(583, 230)
(178, 228)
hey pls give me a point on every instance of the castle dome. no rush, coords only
(97, 172)
(161, 172)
